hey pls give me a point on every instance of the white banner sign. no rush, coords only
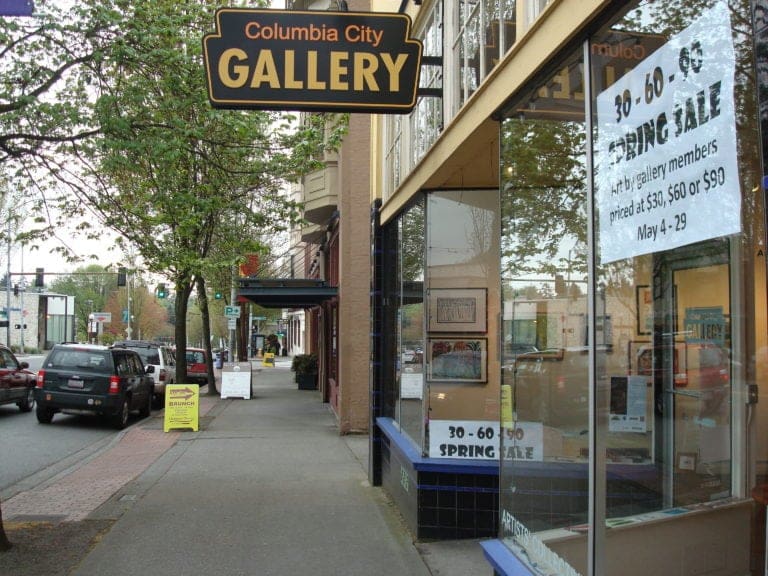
(479, 440)
(235, 382)
(666, 171)
(465, 439)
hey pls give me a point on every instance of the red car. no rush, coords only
(197, 366)
(17, 382)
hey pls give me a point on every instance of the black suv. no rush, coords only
(83, 379)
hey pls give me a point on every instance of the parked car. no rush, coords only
(197, 366)
(17, 382)
(89, 379)
(158, 355)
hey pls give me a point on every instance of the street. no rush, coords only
(28, 448)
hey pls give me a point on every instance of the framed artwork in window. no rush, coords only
(458, 359)
(458, 310)
(644, 299)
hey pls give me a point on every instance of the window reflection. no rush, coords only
(410, 360)
(545, 374)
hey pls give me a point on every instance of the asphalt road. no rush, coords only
(30, 450)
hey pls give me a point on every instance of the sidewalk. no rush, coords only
(266, 487)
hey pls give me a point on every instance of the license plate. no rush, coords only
(72, 383)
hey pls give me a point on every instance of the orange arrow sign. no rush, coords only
(184, 393)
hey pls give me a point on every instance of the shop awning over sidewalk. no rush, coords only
(285, 292)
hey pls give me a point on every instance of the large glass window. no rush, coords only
(427, 117)
(545, 374)
(634, 301)
(410, 324)
(678, 229)
(484, 31)
(462, 311)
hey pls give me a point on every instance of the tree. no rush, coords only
(172, 175)
(91, 286)
(49, 66)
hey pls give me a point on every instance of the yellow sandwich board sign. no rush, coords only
(182, 407)
(315, 61)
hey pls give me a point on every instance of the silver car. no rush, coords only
(162, 360)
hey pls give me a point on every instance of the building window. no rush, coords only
(394, 154)
(633, 290)
(545, 360)
(483, 31)
(426, 120)
(462, 230)
(404, 322)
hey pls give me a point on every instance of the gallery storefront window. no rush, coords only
(462, 370)
(633, 291)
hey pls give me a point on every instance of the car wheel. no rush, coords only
(28, 403)
(147, 408)
(120, 420)
(44, 415)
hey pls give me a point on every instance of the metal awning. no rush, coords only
(285, 292)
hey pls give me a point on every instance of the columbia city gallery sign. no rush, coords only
(314, 61)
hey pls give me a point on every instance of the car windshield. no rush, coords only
(148, 355)
(80, 359)
(195, 357)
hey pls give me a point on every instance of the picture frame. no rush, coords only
(644, 313)
(686, 461)
(458, 310)
(637, 361)
(458, 360)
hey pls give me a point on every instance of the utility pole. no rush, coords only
(232, 297)
(8, 290)
(128, 290)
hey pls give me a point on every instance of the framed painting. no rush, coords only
(458, 310)
(644, 314)
(458, 359)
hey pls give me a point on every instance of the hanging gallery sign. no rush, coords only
(312, 61)
(666, 166)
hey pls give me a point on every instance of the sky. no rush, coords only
(28, 259)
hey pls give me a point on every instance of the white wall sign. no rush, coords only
(666, 171)
(411, 385)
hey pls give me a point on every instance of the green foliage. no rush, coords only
(304, 364)
(91, 286)
(544, 195)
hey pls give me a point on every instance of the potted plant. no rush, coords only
(305, 367)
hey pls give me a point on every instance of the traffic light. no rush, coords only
(218, 296)
(39, 277)
(15, 289)
(121, 275)
(161, 293)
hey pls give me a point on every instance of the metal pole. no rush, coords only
(128, 291)
(8, 289)
(23, 283)
(232, 298)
